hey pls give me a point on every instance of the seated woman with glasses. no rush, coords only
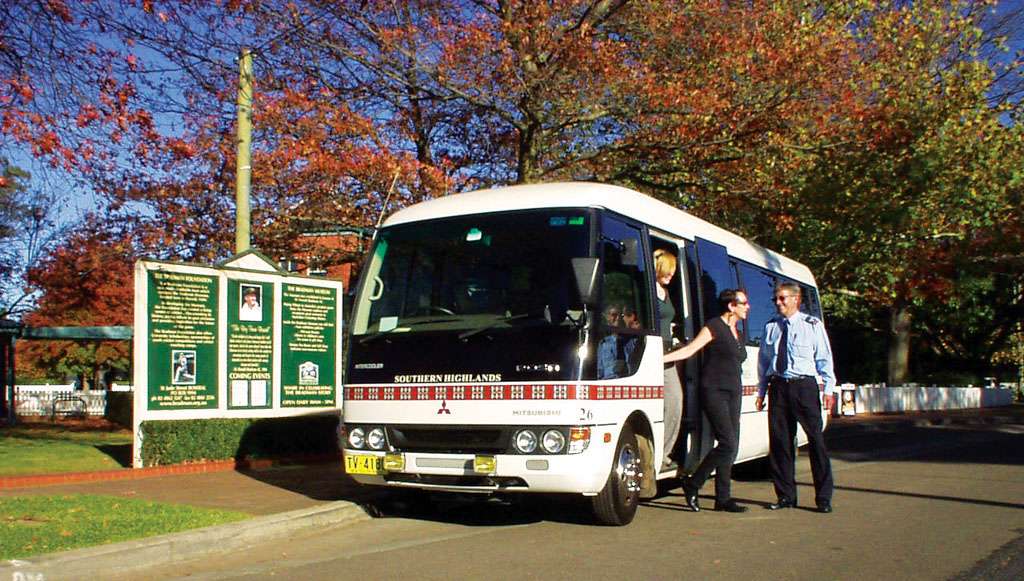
(721, 390)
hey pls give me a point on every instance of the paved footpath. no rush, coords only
(283, 501)
(287, 501)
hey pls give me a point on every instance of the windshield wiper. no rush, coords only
(505, 319)
(379, 334)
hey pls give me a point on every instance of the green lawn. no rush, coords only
(55, 448)
(35, 525)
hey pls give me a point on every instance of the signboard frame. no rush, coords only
(179, 306)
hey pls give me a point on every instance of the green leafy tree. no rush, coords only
(929, 185)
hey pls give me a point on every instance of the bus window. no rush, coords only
(809, 301)
(625, 318)
(715, 275)
(808, 298)
(760, 287)
(483, 272)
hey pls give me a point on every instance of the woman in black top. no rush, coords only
(720, 391)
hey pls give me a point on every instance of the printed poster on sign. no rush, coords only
(251, 307)
(184, 365)
(309, 373)
(309, 362)
(180, 340)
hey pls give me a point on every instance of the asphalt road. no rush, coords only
(936, 497)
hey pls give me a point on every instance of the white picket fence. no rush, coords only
(58, 400)
(882, 399)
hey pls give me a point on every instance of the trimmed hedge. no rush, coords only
(177, 441)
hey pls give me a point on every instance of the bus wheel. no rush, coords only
(617, 502)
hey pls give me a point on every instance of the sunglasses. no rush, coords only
(782, 298)
(740, 303)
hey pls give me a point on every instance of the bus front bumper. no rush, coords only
(584, 473)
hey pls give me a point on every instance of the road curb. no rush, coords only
(129, 556)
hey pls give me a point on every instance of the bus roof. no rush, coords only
(618, 199)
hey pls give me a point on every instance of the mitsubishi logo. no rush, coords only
(444, 408)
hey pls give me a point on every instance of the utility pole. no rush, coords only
(244, 168)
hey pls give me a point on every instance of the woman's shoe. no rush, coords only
(730, 506)
(690, 494)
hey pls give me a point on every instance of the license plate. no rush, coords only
(364, 464)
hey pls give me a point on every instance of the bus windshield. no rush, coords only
(473, 274)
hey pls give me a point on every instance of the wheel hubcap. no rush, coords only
(628, 469)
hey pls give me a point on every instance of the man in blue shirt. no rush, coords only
(795, 350)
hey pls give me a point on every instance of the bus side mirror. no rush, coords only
(585, 272)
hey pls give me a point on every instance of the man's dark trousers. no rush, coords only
(790, 402)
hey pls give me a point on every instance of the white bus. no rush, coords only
(475, 360)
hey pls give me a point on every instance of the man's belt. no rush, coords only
(791, 380)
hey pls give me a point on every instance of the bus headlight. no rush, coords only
(525, 441)
(375, 439)
(553, 441)
(357, 438)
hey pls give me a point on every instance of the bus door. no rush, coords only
(681, 328)
(709, 272)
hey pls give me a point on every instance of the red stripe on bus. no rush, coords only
(534, 392)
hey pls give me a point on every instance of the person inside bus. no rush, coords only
(611, 361)
(632, 321)
(664, 272)
(721, 390)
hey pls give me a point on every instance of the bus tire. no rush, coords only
(617, 502)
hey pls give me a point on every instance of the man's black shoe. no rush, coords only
(825, 507)
(730, 506)
(690, 494)
(782, 503)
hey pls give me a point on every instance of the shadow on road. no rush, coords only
(329, 482)
(469, 510)
(960, 439)
(975, 501)
(982, 437)
(326, 481)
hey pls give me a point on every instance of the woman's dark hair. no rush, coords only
(728, 297)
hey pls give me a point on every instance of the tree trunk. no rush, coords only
(527, 163)
(899, 344)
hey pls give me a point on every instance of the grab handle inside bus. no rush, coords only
(378, 288)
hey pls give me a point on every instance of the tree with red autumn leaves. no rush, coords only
(86, 282)
(873, 140)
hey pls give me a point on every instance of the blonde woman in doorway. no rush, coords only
(664, 272)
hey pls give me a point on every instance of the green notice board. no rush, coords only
(309, 316)
(182, 346)
(250, 315)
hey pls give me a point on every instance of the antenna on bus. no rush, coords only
(384, 208)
